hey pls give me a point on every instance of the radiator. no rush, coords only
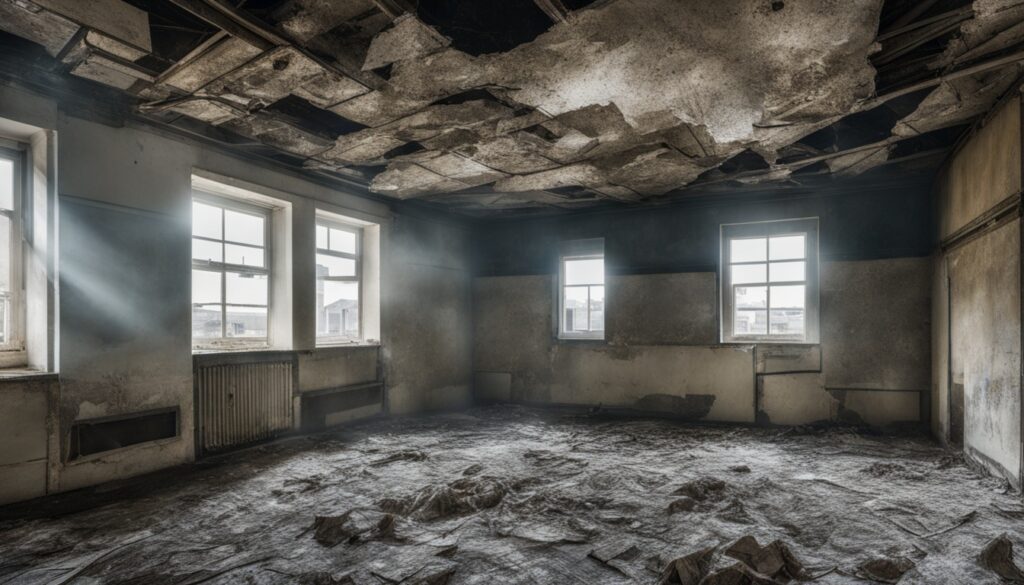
(242, 403)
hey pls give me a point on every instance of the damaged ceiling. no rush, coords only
(548, 104)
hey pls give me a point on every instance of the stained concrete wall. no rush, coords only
(427, 324)
(124, 338)
(976, 334)
(977, 331)
(26, 417)
(872, 364)
(871, 367)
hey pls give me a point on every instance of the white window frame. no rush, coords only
(592, 249)
(357, 231)
(808, 227)
(224, 342)
(12, 349)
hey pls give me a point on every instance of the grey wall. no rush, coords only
(662, 351)
(976, 338)
(124, 337)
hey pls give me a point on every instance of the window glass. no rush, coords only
(748, 250)
(246, 289)
(206, 286)
(576, 309)
(6, 184)
(766, 288)
(749, 273)
(245, 321)
(788, 271)
(334, 266)
(337, 281)
(321, 236)
(207, 250)
(226, 301)
(206, 220)
(582, 291)
(243, 228)
(590, 271)
(342, 241)
(243, 255)
(340, 313)
(787, 247)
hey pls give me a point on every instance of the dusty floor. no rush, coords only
(512, 495)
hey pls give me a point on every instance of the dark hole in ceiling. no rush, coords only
(407, 148)
(174, 32)
(865, 127)
(485, 27)
(937, 139)
(747, 160)
(467, 96)
(314, 119)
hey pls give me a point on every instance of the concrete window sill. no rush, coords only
(24, 374)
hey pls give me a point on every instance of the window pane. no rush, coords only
(321, 237)
(597, 308)
(787, 248)
(788, 297)
(747, 273)
(334, 266)
(206, 220)
(6, 183)
(207, 250)
(5, 254)
(575, 308)
(337, 309)
(751, 297)
(787, 322)
(205, 287)
(788, 271)
(748, 250)
(750, 323)
(246, 289)
(584, 271)
(342, 241)
(244, 228)
(205, 321)
(246, 322)
(243, 255)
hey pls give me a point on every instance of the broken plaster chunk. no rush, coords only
(997, 556)
(408, 38)
(269, 77)
(689, 569)
(775, 560)
(885, 569)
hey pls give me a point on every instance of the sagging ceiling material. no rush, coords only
(622, 100)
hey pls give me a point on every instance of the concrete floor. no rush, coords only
(513, 495)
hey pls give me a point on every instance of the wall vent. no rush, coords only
(92, 436)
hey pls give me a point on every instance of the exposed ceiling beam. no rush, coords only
(554, 9)
(959, 14)
(909, 16)
(394, 8)
(210, 12)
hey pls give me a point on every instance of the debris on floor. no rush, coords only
(531, 496)
(997, 556)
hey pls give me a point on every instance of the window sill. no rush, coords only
(770, 342)
(344, 344)
(25, 374)
(581, 340)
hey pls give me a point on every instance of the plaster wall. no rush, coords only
(124, 306)
(976, 332)
(872, 365)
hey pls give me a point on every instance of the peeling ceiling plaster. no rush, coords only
(623, 100)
